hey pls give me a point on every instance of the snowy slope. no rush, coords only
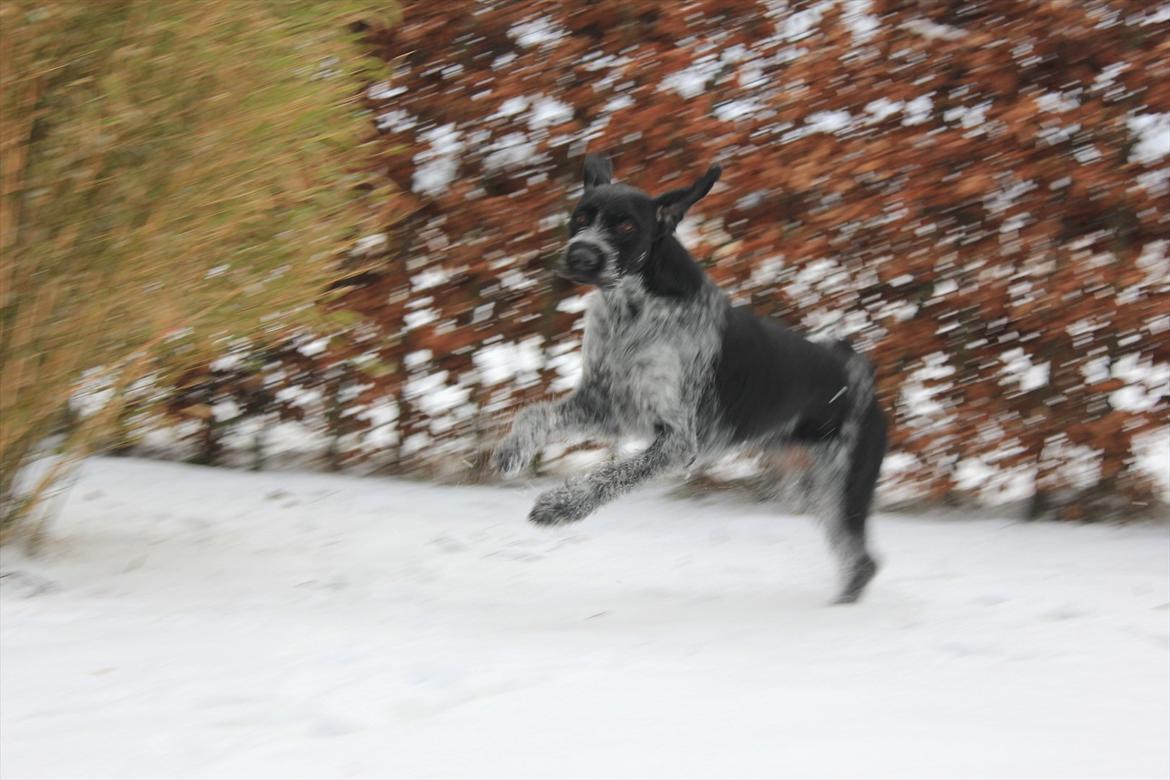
(192, 622)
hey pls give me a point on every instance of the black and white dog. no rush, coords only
(667, 356)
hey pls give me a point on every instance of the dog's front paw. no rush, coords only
(510, 457)
(565, 504)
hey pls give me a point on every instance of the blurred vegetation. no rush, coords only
(173, 172)
(975, 194)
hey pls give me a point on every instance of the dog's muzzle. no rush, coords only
(583, 263)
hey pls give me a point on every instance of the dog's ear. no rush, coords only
(598, 171)
(672, 206)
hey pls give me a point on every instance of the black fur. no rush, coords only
(772, 384)
(598, 171)
(670, 271)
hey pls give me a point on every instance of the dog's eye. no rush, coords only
(625, 227)
(580, 220)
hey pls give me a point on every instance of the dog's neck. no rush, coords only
(625, 300)
(668, 278)
(670, 271)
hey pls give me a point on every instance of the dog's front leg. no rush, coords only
(535, 424)
(582, 495)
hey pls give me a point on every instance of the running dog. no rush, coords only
(667, 357)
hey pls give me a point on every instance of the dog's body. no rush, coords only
(666, 356)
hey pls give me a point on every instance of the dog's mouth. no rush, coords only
(579, 277)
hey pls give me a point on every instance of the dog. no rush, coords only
(667, 357)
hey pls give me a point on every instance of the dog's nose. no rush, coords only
(583, 260)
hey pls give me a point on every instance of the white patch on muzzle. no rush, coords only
(594, 237)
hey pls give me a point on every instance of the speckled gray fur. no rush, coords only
(829, 476)
(647, 368)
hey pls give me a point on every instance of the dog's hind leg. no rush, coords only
(845, 482)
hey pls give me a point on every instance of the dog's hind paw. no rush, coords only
(559, 506)
(862, 573)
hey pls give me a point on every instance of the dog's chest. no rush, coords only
(643, 354)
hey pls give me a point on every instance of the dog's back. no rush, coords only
(771, 383)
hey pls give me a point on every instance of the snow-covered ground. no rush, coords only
(190, 622)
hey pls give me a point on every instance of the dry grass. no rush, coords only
(173, 173)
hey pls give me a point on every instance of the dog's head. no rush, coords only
(614, 228)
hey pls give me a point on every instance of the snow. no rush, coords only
(690, 82)
(512, 106)
(417, 319)
(861, 22)
(883, 108)
(536, 32)
(798, 25)
(417, 359)
(509, 361)
(191, 622)
(228, 362)
(225, 410)
(437, 166)
(548, 111)
(370, 243)
(918, 110)
(383, 91)
(433, 395)
(315, 347)
(933, 31)
(428, 278)
(1153, 137)
(829, 122)
(512, 149)
(396, 120)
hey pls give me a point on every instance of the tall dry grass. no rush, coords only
(173, 173)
